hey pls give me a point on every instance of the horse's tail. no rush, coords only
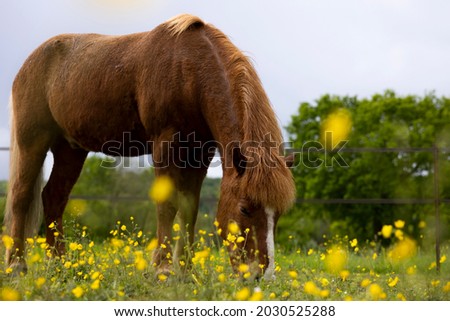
(34, 214)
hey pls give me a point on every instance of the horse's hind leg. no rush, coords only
(67, 165)
(23, 209)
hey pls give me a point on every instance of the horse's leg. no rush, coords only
(188, 202)
(23, 209)
(166, 212)
(67, 165)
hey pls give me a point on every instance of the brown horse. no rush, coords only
(182, 85)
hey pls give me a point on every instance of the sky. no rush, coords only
(301, 49)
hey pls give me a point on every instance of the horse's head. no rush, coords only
(249, 208)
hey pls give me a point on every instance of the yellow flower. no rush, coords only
(231, 238)
(336, 128)
(123, 228)
(344, 274)
(353, 242)
(446, 287)
(176, 227)
(399, 234)
(393, 281)
(52, 225)
(243, 294)
(257, 295)
(221, 277)
(162, 189)
(9, 294)
(73, 246)
(140, 263)
(95, 285)
(335, 260)
(240, 239)
(422, 224)
(386, 231)
(411, 270)
(272, 295)
(311, 288)
(376, 292)
(233, 228)
(78, 292)
(152, 245)
(7, 241)
(243, 268)
(324, 293)
(324, 282)
(41, 240)
(39, 282)
(399, 224)
(400, 296)
(30, 241)
(285, 294)
(403, 250)
(435, 283)
(293, 274)
(162, 277)
(374, 256)
(310, 251)
(442, 259)
(365, 283)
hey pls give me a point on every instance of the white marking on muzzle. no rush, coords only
(269, 274)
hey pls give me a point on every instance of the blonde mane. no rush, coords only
(179, 24)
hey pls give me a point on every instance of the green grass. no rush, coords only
(119, 268)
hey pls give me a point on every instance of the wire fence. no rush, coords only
(436, 200)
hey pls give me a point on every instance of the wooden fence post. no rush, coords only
(436, 208)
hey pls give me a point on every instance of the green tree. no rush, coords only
(383, 121)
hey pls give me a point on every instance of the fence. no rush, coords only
(436, 200)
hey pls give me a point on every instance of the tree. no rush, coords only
(384, 121)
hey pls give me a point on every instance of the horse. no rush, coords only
(183, 84)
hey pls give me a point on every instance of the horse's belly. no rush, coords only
(127, 143)
(114, 131)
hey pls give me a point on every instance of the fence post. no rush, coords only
(436, 207)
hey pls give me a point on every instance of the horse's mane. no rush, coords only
(270, 182)
(179, 24)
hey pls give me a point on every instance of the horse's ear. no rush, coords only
(239, 161)
(289, 160)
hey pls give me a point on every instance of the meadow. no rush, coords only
(119, 268)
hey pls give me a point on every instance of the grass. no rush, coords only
(119, 268)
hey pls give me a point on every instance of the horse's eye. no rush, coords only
(244, 211)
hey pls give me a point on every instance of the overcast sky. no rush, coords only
(301, 49)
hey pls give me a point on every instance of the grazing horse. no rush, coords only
(178, 92)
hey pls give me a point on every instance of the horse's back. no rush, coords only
(97, 87)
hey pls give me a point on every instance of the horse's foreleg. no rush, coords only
(67, 166)
(187, 214)
(162, 256)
